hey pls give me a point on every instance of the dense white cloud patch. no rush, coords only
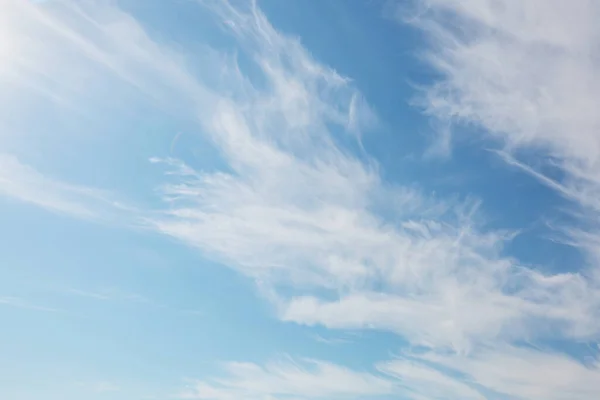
(329, 240)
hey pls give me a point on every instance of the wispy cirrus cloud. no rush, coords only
(24, 183)
(441, 280)
(420, 381)
(67, 51)
(288, 379)
(119, 297)
(527, 73)
(330, 241)
(526, 372)
(314, 379)
(109, 294)
(18, 302)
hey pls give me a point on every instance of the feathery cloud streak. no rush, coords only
(312, 379)
(28, 185)
(289, 379)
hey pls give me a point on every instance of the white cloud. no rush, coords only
(112, 294)
(328, 239)
(428, 383)
(69, 52)
(288, 379)
(26, 184)
(527, 73)
(526, 373)
(331, 341)
(313, 379)
(524, 70)
(18, 302)
(298, 209)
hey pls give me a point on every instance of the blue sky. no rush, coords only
(299, 200)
